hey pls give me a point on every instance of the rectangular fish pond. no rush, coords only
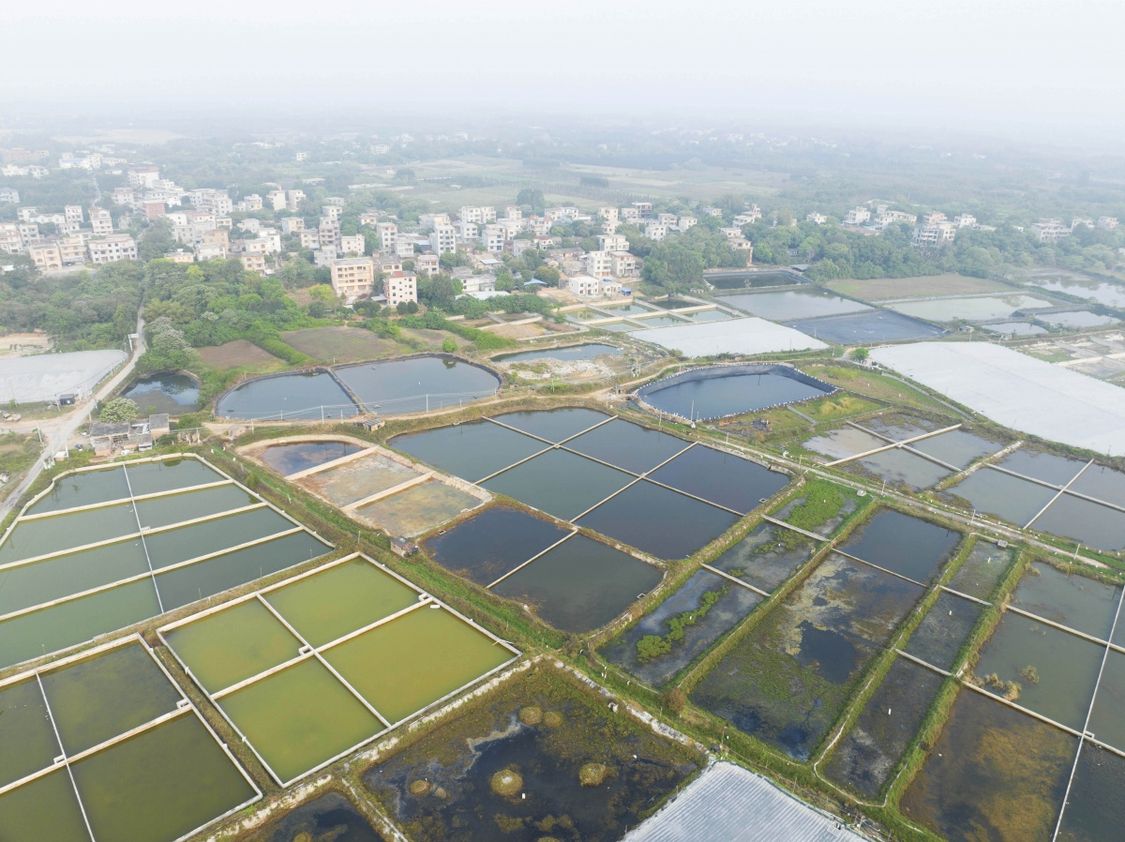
(722, 391)
(542, 756)
(864, 328)
(330, 817)
(658, 493)
(105, 548)
(572, 581)
(87, 748)
(311, 668)
(792, 304)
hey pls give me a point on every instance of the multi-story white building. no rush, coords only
(400, 287)
(656, 231)
(583, 286)
(143, 176)
(9, 196)
(686, 223)
(493, 237)
(249, 202)
(73, 250)
(293, 199)
(816, 218)
(253, 262)
(479, 215)
(10, 240)
(624, 265)
(388, 237)
(329, 232)
(101, 222)
(609, 214)
(332, 212)
(612, 242)
(599, 264)
(112, 248)
(73, 214)
(443, 239)
(292, 225)
(353, 277)
(276, 199)
(859, 215)
(1050, 230)
(352, 244)
(309, 239)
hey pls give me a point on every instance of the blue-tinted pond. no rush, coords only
(721, 391)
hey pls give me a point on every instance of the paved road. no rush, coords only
(56, 432)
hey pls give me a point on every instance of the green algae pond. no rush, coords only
(313, 667)
(160, 534)
(542, 756)
(119, 719)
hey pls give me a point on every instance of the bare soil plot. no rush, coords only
(340, 344)
(238, 354)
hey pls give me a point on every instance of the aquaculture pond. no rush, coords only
(959, 448)
(979, 308)
(866, 327)
(944, 630)
(300, 396)
(167, 392)
(124, 787)
(767, 556)
(327, 818)
(903, 544)
(899, 467)
(493, 543)
(720, 391)
(56, 594)
(1010, 498)
(570, 353)
(870, 751)
(580, 584)
(746, 279)
(792, 304)
(598, 475)
(1069, 599)
(416, 384)
(787, 680)
(300, 456)
(1095, 810)
(1040, 668)
(981, 571)
(994, 773)
(681, 628)
(1077, 320)
(540, 757)
(336, 657)
(1103, 292)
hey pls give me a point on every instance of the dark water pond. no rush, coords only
(1048, 467)
(1068, 598)
(1095, 810)
(735, 279)
(996, 493)
(767, 556)
(302, 396)
(580, 584)
(417, 384)
(721, 391)
(485, 547)
(721, 478)
(451, 770)
(471, 451)
(628, 446)
(554, 425)
(559, 483)
(290, 458)
(982, 570)
(872, 748)
(903, 544)
(590, 351)
(171, 393)
(656, 665)
(866, 327)
(658, 521)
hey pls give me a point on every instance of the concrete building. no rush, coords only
(427, 264)
(143, 176)
(353, 277)
(612, 242)
(112, 248)
(624, 265)
(443, 239)
(388, 237)
(253, 262)
(352, 244)
(292, 225)
(10, 240)
(858, 215)
(9, 196)
(309, 239)
(656, 231)
(583, 286)
(816, 218)
(1050, 230)
(73, 214)
(493, 237)
(598, 263)
(101, 222)
(45, 256)
(73, 250)
(400, 287)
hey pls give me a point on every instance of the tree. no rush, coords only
(119, 410)
(548, 275)
(530, 197)
(448, 346)
(157, 241)
(322, 301)
(861, 355)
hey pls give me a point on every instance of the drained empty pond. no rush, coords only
(722, 391)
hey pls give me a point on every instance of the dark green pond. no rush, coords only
(471, 451)
(580, 584)
(485, 547)
(327, 818)
(944, 630)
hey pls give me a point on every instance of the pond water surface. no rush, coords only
(167, 392)
(720, 391)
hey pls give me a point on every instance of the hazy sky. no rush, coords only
(1056, 69)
